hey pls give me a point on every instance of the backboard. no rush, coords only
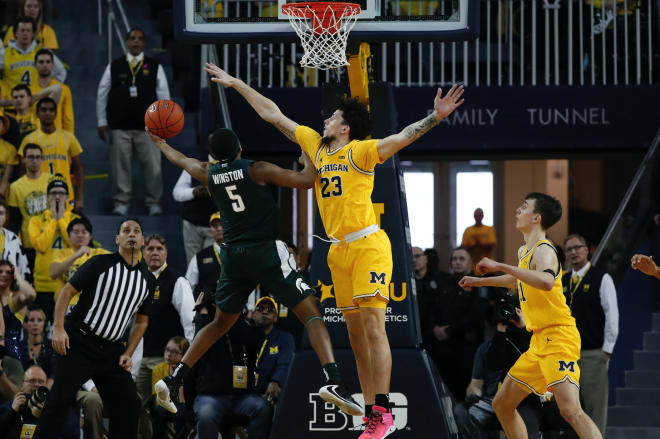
(250, 21)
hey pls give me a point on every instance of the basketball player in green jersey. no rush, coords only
(249, 255)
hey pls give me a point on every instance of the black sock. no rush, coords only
(367, 409)
(382, 401)
(332, 373)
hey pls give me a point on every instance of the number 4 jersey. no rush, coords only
(247, 209)
(345, 182)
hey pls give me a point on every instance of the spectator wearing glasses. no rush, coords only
(174, 350)
(275, 354)
(27, 195)
(61, 150)
(48, 235)
(591, 295)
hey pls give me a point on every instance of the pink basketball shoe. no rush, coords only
(379, 425)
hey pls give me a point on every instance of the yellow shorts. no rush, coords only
(552, 358)
(361, 272)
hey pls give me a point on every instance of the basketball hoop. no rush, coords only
(323, 28)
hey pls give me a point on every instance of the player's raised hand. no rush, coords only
(444, 106)
(643, 263)
(154, 138)
(485, 266)
(219, 76)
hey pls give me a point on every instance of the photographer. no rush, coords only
(18, 418)
(223, 379)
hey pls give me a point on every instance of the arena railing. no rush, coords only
(637, 218)
(113, 24)
(521, 43)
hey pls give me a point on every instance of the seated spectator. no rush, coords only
(47, 85)
(17, 61)
(25, 113)
(61, 150)
(36, 349)
(204, 269)
(457, 326)
(18, 418)
(48, 235)
(275, 354)
(222, 379)
(174, 351)
(68, 260)
(45, 35)
(15, 295)
(197, 208)
(27, 196)
(12, 250)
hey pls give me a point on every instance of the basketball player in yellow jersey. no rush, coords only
(360, 258)
(550, 363)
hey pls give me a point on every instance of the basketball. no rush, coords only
(164, 118)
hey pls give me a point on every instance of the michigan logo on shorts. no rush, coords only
(377, 278)
(570, 366)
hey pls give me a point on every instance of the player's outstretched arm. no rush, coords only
(265, 108)
(542, 276)
(197, 170)
(504, 281)
(645, 264)
(268, 173)
(442, 106)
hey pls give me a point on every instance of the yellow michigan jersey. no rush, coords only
(29, 196)
(19, 65)
(542, 308)
(65, 254)
(58, 148)
(554, 350)
(45, 37)
(344, 183)
(7, 156)
(49, 237)
(361, 269)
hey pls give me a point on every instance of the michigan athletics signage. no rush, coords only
(492, 120)
(391, 212)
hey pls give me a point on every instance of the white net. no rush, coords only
(323, 30)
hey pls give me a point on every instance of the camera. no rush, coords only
(505, 310)
(38, 398)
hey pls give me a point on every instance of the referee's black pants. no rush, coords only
(90, 356)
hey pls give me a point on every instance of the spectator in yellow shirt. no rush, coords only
(8, 158)
(25, 113)
(45, 34)
(44, 61)
(48, 235)
(27, 195)
(479, 239)
(68, 260)
(174, 351)
(61, 150)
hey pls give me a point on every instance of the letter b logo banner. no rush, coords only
(327, 417)
(566, 366)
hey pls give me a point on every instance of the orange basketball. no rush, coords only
(164, 118)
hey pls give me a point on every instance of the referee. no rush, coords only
(114, 289)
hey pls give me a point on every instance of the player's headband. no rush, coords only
(224, 145)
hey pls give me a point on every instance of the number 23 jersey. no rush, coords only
(344, 183)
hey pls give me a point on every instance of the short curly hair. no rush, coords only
(356, 116)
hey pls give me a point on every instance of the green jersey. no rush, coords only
(248, 210)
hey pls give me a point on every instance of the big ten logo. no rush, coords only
(398, 291)
(327, 417)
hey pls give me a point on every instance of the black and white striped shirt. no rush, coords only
(111, 293)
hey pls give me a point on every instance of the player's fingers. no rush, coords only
(459, 103)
